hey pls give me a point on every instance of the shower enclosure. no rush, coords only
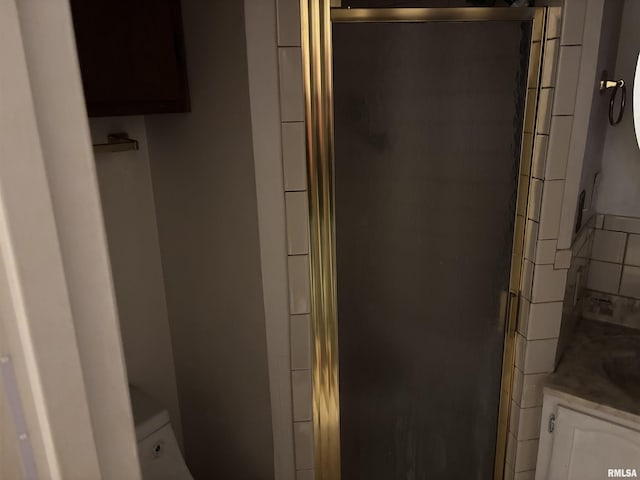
(419, 148)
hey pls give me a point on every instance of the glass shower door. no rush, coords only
(428, 122)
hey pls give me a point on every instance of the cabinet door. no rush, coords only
(586, 447)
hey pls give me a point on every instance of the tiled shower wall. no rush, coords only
(555, 175)
(613, 282)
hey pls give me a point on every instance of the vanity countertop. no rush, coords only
(582, 372)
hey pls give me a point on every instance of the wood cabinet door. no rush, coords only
(586, 448)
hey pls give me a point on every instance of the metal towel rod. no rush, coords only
(606, 84)
(116, 142)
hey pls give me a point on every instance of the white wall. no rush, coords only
(132, 234)
(204, 186)
(619, 191)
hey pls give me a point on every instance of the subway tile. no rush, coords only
(521, 351)
(512, 444)
(603, 276)
(514, 419)
(528, 475)
(539, 156)
(558, 152)
(539, 356)
(532, 389)
(535, 199)
(608, 246)
(573, 22)
(526, 282)
(533, 72)
(518, 380)
(563, 259)
(548, 284)
(297, 210)
(521, 206)
(523, 316)
(300, 332)
(526, 454)
(301, 391)
(530, 240)
(551, 206)
(567, 80)
(632, 256)
(299, 294)
(545, 102)
(291, 88)
(527, 149)
(288, 23)
(303, 441)
(529, 425)
(554, 21)
(305, 475)
(294, 156)
(630, 284)
(546, 252)
(544, 320)
(622, 224)
(530, 111)
(599, 221)
(549, 63)
(508, 471)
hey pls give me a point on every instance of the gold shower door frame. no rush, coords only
(316, 20)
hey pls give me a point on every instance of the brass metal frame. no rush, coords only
(317, 17)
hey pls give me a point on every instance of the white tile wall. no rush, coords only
(532, 389)
(622, 224)
(554, 20)
(604, 277)
(528, 426)
(291, 86)
(608, 246)
(535, 199)
(299, 301)
(538, 163)
(573, 22)
(548, 284)
(548, 76)
(288, 23)
(545, 102)
(552, 194)
(294, 156)
(632, 256)
(529, 475)
(558, 151)
(300, 331)
(563, 259)
(303, 439)
(630, 284)
(567, 80)
(301, 390)
(305, 475)
(546, 252)
(539, 356)
(526, 455)
(297, 215)
(544, 320)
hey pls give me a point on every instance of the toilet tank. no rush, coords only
(160, 456)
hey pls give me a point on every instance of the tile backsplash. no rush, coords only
(613, 286)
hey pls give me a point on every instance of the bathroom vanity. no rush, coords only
(591, 411)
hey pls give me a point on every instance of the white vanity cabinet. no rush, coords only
(581, 440)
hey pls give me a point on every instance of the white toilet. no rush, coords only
(160, 456)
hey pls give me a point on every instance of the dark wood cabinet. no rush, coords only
(131, 56)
